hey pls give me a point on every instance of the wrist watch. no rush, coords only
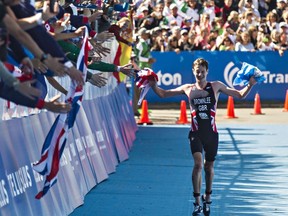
(44, 56)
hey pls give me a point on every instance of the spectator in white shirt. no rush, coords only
(174, 15)
(245, 43)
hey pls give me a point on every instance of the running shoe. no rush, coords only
(206, 206)
(197, 210)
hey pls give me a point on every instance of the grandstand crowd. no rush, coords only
(214, 25)
(51, 33)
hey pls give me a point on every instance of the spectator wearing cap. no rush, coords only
(228, 32)
(227, 44)
(183, 39)
(143, 49)
(142, 11)
(174, 15)
(283, 26)
(144, 20)
(189, 9)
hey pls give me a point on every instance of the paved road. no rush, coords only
(251, 174)
(244, 116)
(251, 169)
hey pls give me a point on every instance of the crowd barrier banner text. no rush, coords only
(175, 69)
(98, 142)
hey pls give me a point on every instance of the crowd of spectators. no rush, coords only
(53, 37)
(41, 40)
(213, 25)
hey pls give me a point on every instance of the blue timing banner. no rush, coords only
(175, 69)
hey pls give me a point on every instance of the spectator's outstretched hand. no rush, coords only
(103, 36)
(39, 66)
(27, 90)
(75, 75)
(66, 19)
(79, 32)
(98, 80)
(55, 65)
(99, 49)
(57, 107)
(46, 14)
(127, 70)
(95, 16)
(94, 59)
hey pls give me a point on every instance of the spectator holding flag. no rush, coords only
(203, 97)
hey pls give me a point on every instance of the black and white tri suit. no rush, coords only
(203, 133)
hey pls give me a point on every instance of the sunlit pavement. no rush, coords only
(251, 174)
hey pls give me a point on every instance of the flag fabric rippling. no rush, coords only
(55, 141)
(142, 82)
(246, 72)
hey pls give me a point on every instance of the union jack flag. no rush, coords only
(54, 143)
(142, 82)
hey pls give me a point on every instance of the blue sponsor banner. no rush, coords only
(175, 69)
(86, 160)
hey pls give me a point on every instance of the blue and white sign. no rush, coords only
(175, 69)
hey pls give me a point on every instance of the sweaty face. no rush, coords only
(200, 72)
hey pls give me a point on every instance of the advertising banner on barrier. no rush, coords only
(91, 149)
(98, 129)
(95, 146)
(175, 69)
